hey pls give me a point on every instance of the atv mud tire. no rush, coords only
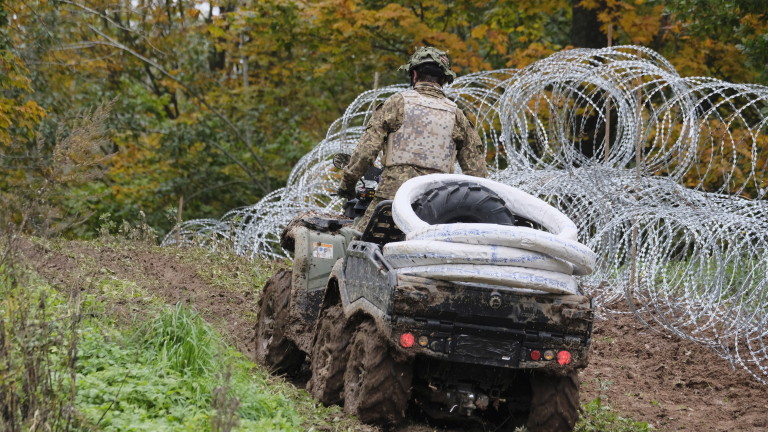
(555, 402)
(273, 348)
(376, 385)
(465, 202)
(329, 356)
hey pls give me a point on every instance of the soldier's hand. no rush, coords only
(346, 194)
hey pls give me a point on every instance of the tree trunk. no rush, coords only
(585, 27)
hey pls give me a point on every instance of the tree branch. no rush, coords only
(115, 44)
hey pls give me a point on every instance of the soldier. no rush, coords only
(419, 131)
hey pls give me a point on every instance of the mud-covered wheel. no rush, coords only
(273, 348)
(462, 201)
(376, 385)
(329, 356)
(554, 403)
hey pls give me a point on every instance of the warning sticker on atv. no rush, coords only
(322, 250)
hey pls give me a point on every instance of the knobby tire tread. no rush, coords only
(555, 402)
(273, 348)
(376, 386)
(463, 202)
(329, 356)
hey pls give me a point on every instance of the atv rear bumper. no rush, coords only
(467, 323)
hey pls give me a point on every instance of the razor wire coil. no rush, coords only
(664, 176)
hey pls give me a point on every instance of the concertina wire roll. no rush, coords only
(663, 175)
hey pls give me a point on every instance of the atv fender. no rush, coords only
(355, 307)
(315, 253)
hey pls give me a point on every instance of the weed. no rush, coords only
(38, 348)
(597, 417)
(106, 227)
(168, 376)
(230, 271)
(225, 405)
(604, 384)
(182, 341)
(139, 231)
(49, 183)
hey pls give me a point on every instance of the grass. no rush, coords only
(180, 339)
(37, 352)
(174, 373)
(598, 417)
(227, 270)
(164, 370)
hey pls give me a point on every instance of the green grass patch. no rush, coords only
(598, 417)
(173, 373)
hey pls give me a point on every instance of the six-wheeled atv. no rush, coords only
(384, 329)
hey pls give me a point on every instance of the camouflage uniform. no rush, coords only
(387, 119)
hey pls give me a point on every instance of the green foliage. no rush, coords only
(738, 23)
(38, 339)
(214, 110)
(180, 340)
(597, 417)
(164, 377)
(170, 373)
(227, 270)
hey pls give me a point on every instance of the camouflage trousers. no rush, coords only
(363, 220)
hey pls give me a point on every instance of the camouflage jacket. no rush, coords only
(388, 118)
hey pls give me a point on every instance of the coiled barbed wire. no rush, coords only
(665, 177)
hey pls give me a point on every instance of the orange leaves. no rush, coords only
(639, 22)
(16, 111)
(641, 27)
(533, 52)
(480, 31)
(399, 27)
(708, 57)
(756, 22)
(193, 13)
(590, 4)
(541, 6)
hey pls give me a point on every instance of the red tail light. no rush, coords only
(535, 355)
(564, 358)
(407, 340)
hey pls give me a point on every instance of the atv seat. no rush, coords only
(381, 229)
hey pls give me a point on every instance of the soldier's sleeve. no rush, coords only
(370, 144)
(470, 149)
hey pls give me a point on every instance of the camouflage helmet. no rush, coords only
(430, 55)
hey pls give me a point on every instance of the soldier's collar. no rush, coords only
(430, 88)
(430, 84)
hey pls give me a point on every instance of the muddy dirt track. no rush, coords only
(673, 384)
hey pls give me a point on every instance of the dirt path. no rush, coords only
(673, 384)
(161, 274)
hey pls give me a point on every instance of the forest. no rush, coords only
(163, 110)
(122, 120)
